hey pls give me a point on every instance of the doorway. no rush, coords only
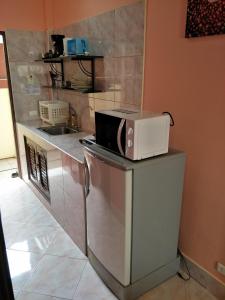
(8, 157)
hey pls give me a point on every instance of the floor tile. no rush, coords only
(19, 213)
(33, 296)
(62, 245)
(43, 217)
(196, 292)
(91, 287)
(4, 165)
(16, 293)
(12, 202)
(5, 175)
(56, 276)
(21, 265)
(12, 162)
(10, 186)
(10, 232)
(172, 289)
(8, 164)
(25, 207)
(32, 238)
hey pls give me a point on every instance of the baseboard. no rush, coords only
(212, 284)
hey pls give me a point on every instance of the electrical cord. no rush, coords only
(55, 71)
(171, 117)
(85, 68)
(186, 267)
(54, 68)
(82, 68)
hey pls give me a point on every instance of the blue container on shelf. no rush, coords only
(77, 46)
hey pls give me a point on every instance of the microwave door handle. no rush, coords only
(119, 133)
(87, 178)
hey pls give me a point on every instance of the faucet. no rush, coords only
(73, 118)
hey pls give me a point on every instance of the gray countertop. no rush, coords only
(126, 164)
(70, 145)
(67, 143)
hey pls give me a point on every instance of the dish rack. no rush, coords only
(54, 112)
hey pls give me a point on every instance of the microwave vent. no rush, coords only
(124, 111)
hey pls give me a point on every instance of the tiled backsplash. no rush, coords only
(27, 76)
(118, 35)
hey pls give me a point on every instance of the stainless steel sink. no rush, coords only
(58, 130)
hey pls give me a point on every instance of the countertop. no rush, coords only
(127, 164)
(70, 145)
(67, 143)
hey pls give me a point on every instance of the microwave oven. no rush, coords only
(134, 135)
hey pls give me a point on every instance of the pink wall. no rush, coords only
(2, 63)
(187, 77)
(72, 11)
(23, 14)
(3, 80)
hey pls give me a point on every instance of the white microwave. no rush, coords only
(134, 135)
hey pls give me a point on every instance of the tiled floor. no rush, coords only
(8, 164)
(46, 265)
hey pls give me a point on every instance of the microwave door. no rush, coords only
(110, 132)
(119, 137)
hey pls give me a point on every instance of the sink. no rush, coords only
(57, 130)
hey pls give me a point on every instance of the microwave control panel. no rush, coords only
(129, 139)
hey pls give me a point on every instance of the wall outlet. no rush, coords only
(33, 113)
(220, 268)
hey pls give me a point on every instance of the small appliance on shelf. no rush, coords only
(57, 43)
(76, 46)
(54, 111)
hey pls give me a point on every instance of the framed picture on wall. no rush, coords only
(205, 17)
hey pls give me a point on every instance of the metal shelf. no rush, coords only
(78, 58)
(80, 90)
(69, 57)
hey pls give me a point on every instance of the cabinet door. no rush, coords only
(109, 208)
(75, 210)
(55, 176)
(31, 161)
(43, 171)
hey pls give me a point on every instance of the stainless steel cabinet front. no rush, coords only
(109, 209)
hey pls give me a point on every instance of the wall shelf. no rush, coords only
(69, 57)
(79, 58)
(80, 90)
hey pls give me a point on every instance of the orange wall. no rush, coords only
(72, 11)
(22, 14)
(2, 63)
(187, 77)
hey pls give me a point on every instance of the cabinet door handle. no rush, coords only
(87, 178)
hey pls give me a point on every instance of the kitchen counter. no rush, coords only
(53, 166)
(67, 143)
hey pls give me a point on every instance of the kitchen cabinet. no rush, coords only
(37, 167)
(65, 175)
(56, 185)
(75, 210)
(133, 216)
